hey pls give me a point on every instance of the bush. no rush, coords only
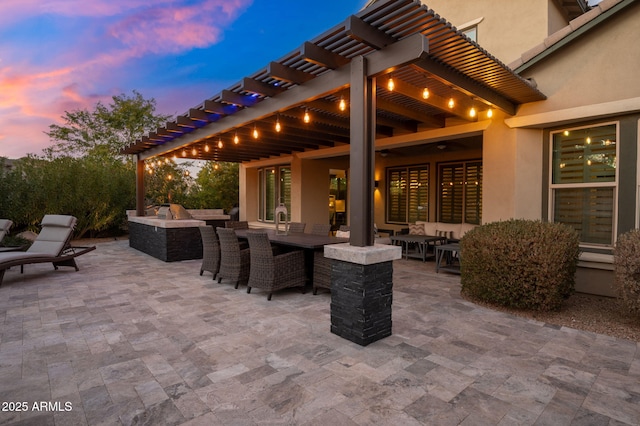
(520, 264)
(627, 270)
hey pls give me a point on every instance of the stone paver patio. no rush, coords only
(132, 340)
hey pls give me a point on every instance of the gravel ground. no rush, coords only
(597, 314)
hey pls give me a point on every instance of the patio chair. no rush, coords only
(297, 227)
(51, 245)
(320, 229)
(5, 224)
(210, 250)
(234, 262)
(321, 271)
(234, 224)
(270, 272)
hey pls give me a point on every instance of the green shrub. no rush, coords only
(627, 270)
(520, 264)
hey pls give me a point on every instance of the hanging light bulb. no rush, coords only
(194, 152)
(472, 112)
(490, 113)
(278, 126)
(342, 105)
(184, 153)
(236, 139)
(451, 103)
(307, 117)
(425, 93)
(220, 145)
(206, 148)
(255, 132)
(391, 85)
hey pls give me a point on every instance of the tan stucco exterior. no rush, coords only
(589, 81)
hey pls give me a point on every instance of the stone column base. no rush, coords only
(361, 291)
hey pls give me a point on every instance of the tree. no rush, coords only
(216, 186)
(106, 130)
(167, 182)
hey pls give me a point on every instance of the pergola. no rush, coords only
(394, 68)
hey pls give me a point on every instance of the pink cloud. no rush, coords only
(161, 29)
(36, 95)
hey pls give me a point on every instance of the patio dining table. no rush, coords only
(310, 243)
(422, 242)
(297, 239)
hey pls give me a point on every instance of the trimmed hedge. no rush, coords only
(520, 264)
(627, 270)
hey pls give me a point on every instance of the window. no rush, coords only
(408, 194)
(275, 188)
(583, 181)
(472, 33)
(460, 197)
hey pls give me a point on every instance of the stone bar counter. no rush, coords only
(168, 240)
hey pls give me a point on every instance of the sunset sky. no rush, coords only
(66, 55)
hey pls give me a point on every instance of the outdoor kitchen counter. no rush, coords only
(167, 240)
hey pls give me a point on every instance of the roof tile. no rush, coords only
(585, 18)
(605, 5)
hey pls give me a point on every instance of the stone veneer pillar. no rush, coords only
(361, 291)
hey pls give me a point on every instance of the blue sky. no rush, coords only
(65, 55)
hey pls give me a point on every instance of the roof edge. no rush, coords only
(576, 28)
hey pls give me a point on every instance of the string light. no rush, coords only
(220, 145)
(184, 153)
(175, 157)
(166, 161)
(490, 113)
(206, 148)
(391, 85)
(255, 132)
(307, 117)
(278, 126)
(169, 176)
(472, 112)
(342, 105)
(451, 103)
(236, 139)
(194, 152)
(215, 166)
(425, 93)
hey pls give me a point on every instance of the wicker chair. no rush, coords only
(321, 271)
(320, 229)
(210, 251)
(272, 273)
(234, 262)
(243, 224)
(297, 226)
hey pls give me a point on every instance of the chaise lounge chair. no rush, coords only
(5, 224)
(52, 245)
